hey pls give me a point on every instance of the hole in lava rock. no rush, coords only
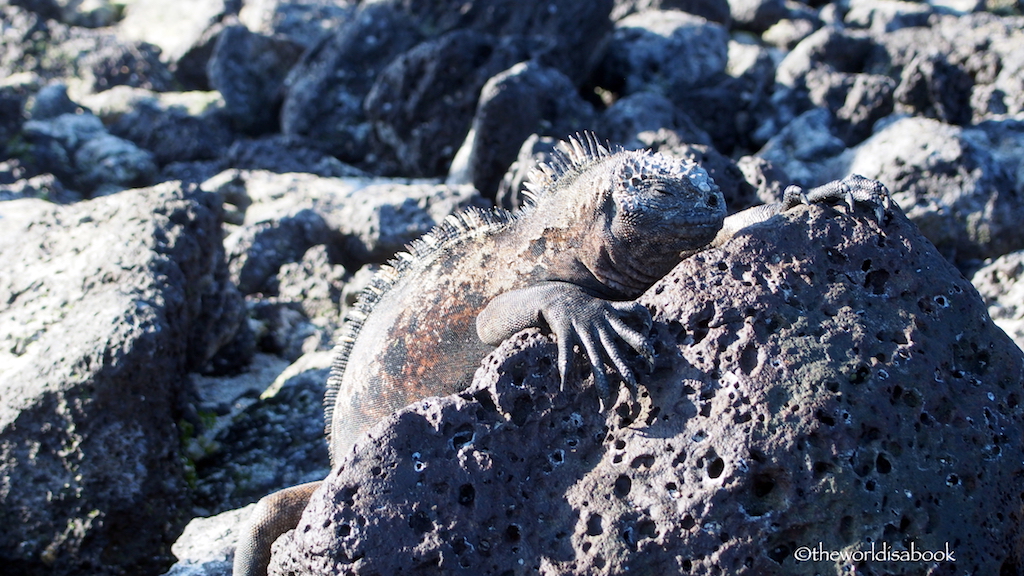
(623, 485)
(420, 522)
(467, 494)
(882, 464)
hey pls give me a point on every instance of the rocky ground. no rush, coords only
(194, 191)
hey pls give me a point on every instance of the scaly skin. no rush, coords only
(603, 227)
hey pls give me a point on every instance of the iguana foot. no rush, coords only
(850, 190)
(575, 317)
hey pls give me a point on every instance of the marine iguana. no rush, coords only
(600, 227)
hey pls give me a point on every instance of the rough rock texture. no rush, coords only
(631, 115)
(541, 99)
(302, 21)
(819, 379)
(327, 91)
(107, 304)
(959, 194)
(440, 78)
(324, 93)
(184, 31)
(642, 52)
(714, 10)
(232, 467)
(79, 150)
(249, 70)
(206, 546)
(283, 154)
(284, 215)
(1001, 283)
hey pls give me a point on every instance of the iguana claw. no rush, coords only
(850, 190)
(597, 325)
(575, 317)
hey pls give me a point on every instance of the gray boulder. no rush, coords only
(274, 440)
(573, 31)
(183, 31)
(305, 22)
(936, 71)
(108, 303)
(805, 148)
(325, 91)
(49, 102)
(731, 105)
(884, 16)
(249, 70)
(542, 101)
(829, 70)
(175, 127)
(421, 105)
(820, 379)
(207, 545)
(663, 51)
(714, 10)
(628, 117)
(360, 220)
(114, 62)
(78, 149)
(757, 15)
(14, 96)
(948, 181)
(44, 186)
(282, 154)
(959, 69)
(1001, 283)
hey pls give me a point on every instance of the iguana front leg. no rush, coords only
(849, 190)
(274, 515)
(574, 316)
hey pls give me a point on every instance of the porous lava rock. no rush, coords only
(107, 304)
(820, 381)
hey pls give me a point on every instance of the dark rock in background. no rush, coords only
(231, 464)
(185, 32)
(542, 100)
(714, 10)
(629, 116)
(816, 377)
(305, 22)
(78, 149)
(422, 104)
(643, 52)
(757, 15)
(324, 93)
(1001, 283)
(959, 194)
(173, 134)
(572, 30)
(108, 304)
(283, 154)
(249, 70)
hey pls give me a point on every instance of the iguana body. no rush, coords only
(601, 229)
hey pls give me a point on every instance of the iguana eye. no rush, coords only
(636, 181)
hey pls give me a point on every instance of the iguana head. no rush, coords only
(667, 201)
(628, 216)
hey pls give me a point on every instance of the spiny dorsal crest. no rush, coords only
(570, 158)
